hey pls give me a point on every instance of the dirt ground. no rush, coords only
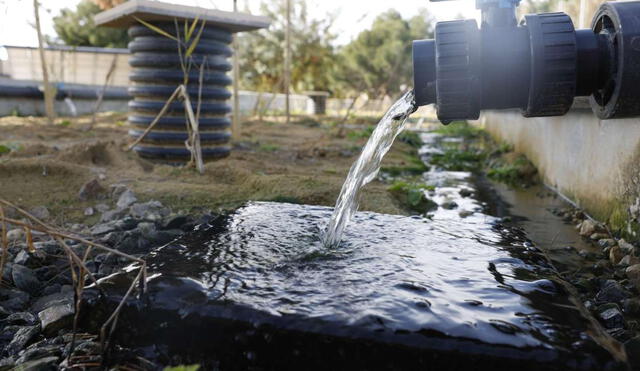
(305, 161)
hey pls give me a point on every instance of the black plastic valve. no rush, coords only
(539, 66)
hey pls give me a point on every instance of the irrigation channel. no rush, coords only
(473, 282)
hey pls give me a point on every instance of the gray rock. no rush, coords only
(7, 364)
(16, 303)
(607, 242)
(4, 313)
(632, 348)
(20, 319)
(611, 292)
(91, 190)
(15, 234)
(631, 306)
(25, 279)
(612, 318)
(153, 211)
(598, 236)
(449, 205)
(629, 260)
(22, 338)
(117, 190)
(30, 259)
(40, 212)
(89, 211)
(40, 364)
(112, 215)
(102, 207)
(37, 351)
(176, 221)
(58, 298)
(626, 246)
(126, 199)
(114, 226)
(55, 318)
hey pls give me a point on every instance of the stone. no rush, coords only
(114, 226)
(632, 348)
(631, 306)
(612, 318)
(153, 211)
(15, 234)
(449, 205)
(91, 190)
(37, 351)
(40, 364)
(7, 364)
(102, 207)
(89, 211)
(607, 242)
(611, 292)
(20, 319)
(30, 259)
(464, 192)
(598, 236)
(111, 215)
(117, 190)
(4, 313)
(629, 260)
(587, 227)
(25, 279)
(615, 255)
(22, 338)
(176, 221)
(40, 212)
(126, 199)
(633, 272)
(626, 246)
(55, 318)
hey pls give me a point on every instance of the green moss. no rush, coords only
(455, 159)
(412, 196)
(518, 171)
(411, 138)
(460, 129)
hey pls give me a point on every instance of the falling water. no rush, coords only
(366, 167)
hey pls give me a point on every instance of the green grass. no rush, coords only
(268, 147)
(460, 129)
(454, 159)
(360, 134)
(286, 199)
(518, 171)
(411, 138)
(412, 196)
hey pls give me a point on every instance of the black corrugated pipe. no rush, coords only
(156, 74)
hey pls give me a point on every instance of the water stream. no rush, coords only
(366, 167)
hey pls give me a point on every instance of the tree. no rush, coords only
(77, 28)
(262, 52)
(378, 61)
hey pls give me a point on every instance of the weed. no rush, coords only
(512, 171)
(269, 147)
(411, 138)
(460, 129)
(412, 196)
(459, 159)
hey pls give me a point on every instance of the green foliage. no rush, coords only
(183, 368)
(378, 61)
(9, 147)
(456, 159)
(360, 134)
(262, 52)
(412, 196)
(4, 149)
(77, 28)
(460, 129)
(411, 138)
(513, 172)
(65, 123)
(269, 147)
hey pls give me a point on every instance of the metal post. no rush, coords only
(287, 59)
(235, 132)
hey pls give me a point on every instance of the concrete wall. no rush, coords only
(595, 163)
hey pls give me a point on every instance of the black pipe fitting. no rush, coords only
(538, 66)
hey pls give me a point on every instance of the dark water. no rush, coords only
(457, 288)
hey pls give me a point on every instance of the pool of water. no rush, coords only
(458, 288)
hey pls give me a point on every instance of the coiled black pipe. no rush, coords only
(156, 72)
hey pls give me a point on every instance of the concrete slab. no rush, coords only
(123, 15)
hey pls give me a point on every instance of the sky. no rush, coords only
(16, 16)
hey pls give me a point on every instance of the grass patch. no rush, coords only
(411, 138)
(460, 129)
(360, 134)
(412, 196)
(455, 159)
(513, 169)
(268, 147)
